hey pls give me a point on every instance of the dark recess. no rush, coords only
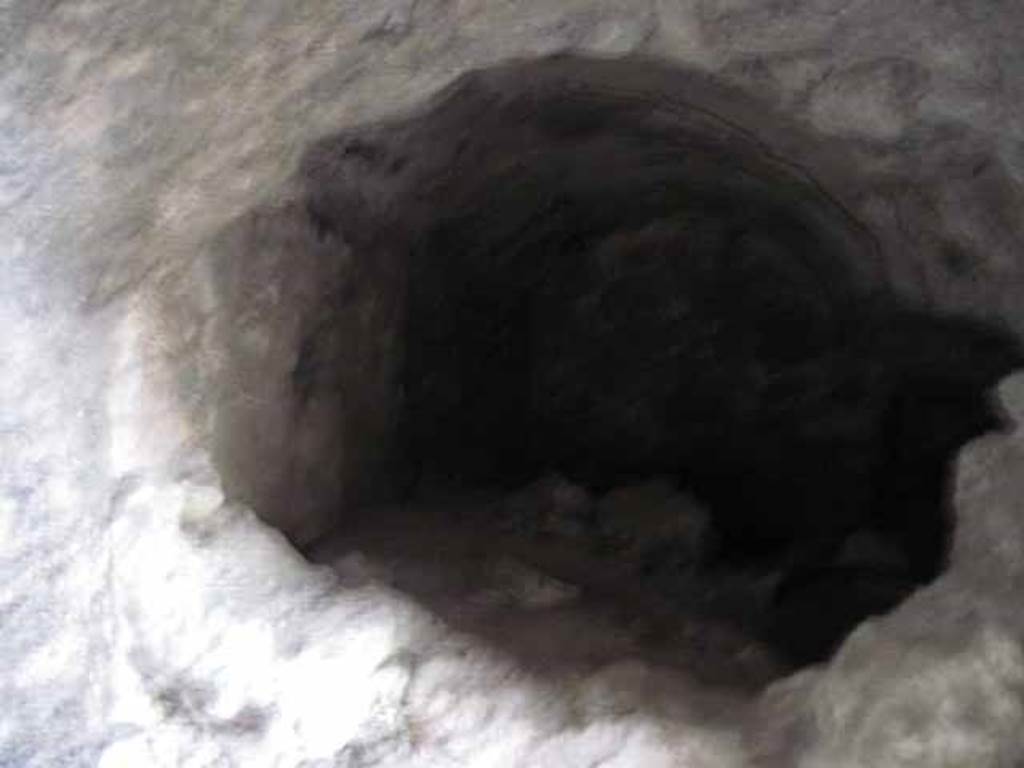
(605, 280)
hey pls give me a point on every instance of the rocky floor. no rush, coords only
(550, 607)
(559, 579)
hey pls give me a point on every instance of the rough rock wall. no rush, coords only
(940, 681)
(132, 134)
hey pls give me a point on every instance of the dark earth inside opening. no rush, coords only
(602, 282)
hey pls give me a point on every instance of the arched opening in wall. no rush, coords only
(588, 331)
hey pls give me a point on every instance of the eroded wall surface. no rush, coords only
(146, 622)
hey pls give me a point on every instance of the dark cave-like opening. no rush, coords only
(608, 284)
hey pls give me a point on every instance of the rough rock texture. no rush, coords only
(944, 673)
(604, 276)
(147, 623)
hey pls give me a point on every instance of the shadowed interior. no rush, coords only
(604, 283)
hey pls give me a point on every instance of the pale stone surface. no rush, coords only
(146, 623)
(228, 650)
